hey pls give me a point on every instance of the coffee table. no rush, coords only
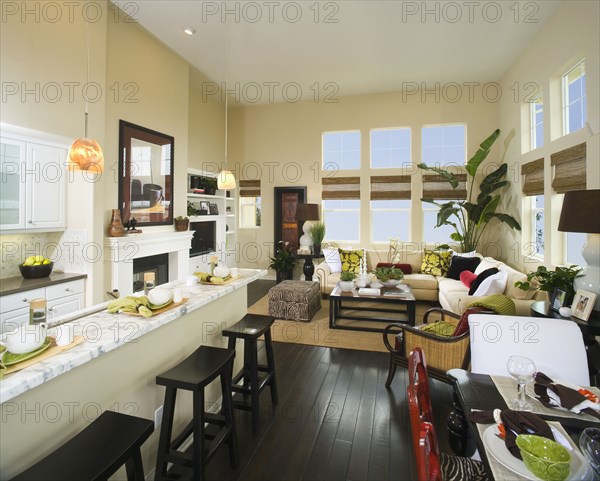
(340, 302)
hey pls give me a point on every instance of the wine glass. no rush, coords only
(589, 442)
(523, 370)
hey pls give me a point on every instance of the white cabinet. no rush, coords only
(63, 298)
(33, 185)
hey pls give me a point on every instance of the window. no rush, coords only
(537, 224)
(575, 242)
(342, 218)
(389, 218)
(443, 145)
(140, 160)
(341, 150)
(431, 233)
(537, 122)
(390, 148)
(574, 109)
(250, 212)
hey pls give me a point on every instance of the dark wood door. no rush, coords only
(287, 228)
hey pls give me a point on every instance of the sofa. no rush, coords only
(451, 294)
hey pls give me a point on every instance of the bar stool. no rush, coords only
(250, 328)
(97, 452)
(193, 374)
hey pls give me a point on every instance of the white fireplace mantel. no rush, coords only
(121, 251)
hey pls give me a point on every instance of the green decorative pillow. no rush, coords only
(436, 263)
(440, 328)
(351, 260)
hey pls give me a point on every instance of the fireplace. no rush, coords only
(159, 264)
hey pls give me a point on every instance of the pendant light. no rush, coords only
(225, 179)
(85, 153)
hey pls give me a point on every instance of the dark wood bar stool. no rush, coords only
(250, 328)
(97, 452)
(193, 374)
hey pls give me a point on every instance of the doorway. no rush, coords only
(287, 228)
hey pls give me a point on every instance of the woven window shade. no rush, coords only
(341, 188)
(533, 177)
(390, 187)
(569, 172)
(436, 187)
(249, 188)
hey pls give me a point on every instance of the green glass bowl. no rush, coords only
(545, 458)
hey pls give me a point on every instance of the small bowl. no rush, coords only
(545, 458)
(26, 338)
(392, 282)
(36, 272)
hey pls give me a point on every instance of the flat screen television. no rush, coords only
(204, 240)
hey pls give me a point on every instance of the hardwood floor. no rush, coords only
(258, 289)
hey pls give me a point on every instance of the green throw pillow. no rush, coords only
(351, 260)
(436, 263)
(441, 328)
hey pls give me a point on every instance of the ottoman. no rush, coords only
(296, 300)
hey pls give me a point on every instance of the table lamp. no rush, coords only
(581, 213)
(307, 213)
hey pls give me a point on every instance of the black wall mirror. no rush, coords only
(146, 160)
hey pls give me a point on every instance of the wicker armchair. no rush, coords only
(442, 353)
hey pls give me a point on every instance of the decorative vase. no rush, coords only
(221, 271)
(360, 282)
(346, 286)
(115, 228)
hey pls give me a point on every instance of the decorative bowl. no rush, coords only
(392, 282)
(36, 272)
(26, 338)
(545, 458)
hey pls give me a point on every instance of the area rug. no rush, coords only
(317, 331)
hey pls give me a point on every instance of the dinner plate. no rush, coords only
(580, 469)
(9, 359)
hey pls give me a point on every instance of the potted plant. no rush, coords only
(317, 234)
(561, 278)
(181, 223)
(283, 263)
(472, 216)
(347, 280)
(388, 276)
(209, 184)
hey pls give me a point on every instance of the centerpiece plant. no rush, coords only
(549, 281)
(469, 218)
(284, 262)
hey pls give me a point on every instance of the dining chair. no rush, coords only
(555, 346)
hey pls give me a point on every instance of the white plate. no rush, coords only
(580, 469)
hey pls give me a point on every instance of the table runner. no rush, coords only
(507, 387)
(501, 472)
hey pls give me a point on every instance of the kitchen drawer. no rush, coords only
(20, 299)
(64, 289)
(9, 321)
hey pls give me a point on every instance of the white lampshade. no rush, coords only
(225, 180)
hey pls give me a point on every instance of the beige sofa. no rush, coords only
(452, 295)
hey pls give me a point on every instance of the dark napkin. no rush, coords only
(569, 398)
(515, 422)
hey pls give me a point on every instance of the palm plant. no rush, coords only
(469, 218)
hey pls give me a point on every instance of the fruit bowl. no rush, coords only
(36, 272)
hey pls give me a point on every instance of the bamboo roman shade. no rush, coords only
(390, 187)
(341, 188)
(533, 177)
(569, 169)
(436, 187)
(249, 188)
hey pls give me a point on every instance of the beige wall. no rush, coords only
(285, 140)
(573, 33)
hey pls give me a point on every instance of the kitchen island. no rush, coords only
(114, 369)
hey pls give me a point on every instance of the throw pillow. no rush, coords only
(435, 263)
(405, 268)
(332, 257)
(467, 278)
(484, 265)
(351, 260)
(492, 285)
(460, 264)
(440, 328)
(481, 277)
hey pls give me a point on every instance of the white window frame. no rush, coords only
(534, 211)
(445, 125)
(566, 101)
(389, 129)
(539, 100)
(407, 210)
(254, 204)
(358, 210)
(341, 167)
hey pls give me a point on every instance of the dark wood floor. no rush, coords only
(258, 289)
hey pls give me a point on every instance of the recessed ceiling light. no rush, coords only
(189, 30)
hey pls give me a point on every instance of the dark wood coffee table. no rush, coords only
(341, 302)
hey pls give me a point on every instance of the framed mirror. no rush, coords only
(146, 160)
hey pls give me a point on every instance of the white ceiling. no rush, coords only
(373, 46)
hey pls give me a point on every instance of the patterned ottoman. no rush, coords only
(297, 300)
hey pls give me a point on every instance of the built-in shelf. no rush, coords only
(206, 196)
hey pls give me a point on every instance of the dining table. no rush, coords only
(479, 392)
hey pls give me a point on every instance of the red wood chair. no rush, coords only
(428, 455)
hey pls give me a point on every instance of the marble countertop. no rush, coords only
(12, 285)
(104, 332)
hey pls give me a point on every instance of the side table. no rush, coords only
(589, 329)
(309, 267)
